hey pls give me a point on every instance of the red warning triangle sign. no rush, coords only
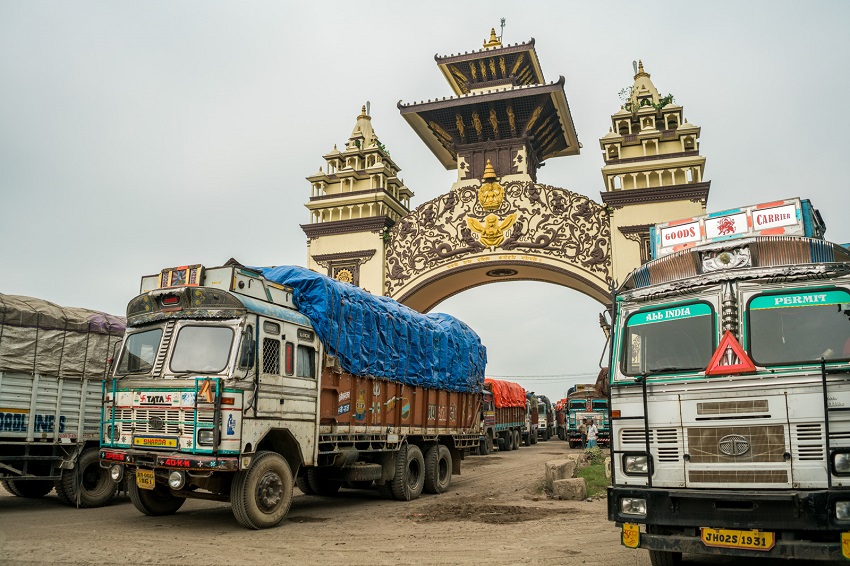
(729, 358)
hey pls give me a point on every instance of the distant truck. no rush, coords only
(561, 418)
(532, 419)
(584, 402)
(510, 408)
(53, 361)
(546, 418)
(235, 383)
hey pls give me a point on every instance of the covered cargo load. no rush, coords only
(39, 337)
(376, 336)
(506, 393)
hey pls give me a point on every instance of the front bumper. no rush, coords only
(148, 459)
(803, 521)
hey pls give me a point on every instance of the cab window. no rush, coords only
(671, 339)
(799, 327)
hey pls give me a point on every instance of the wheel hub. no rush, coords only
(269, 490)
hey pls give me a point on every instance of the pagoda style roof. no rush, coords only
(511, 65)
(537, 113)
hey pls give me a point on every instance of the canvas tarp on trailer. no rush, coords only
(37, 336)
(374, 335)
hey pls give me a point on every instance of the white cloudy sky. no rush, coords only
(140, 135)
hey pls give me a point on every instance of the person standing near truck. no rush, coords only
(582, 429)
(592, 432)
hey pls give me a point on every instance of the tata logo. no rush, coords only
(734, 445)
(148, 399)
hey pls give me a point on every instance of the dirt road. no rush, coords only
(494, 513)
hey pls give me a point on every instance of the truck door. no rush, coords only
(288, 365)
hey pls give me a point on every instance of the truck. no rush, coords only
(235, 383)
(585, 402)
(53, 361)
(546, 418)
(532, 419)
(561, 418)
(511, 413)
(729, 393)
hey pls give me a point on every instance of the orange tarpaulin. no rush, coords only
(506, 393)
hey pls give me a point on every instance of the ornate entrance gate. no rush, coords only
(497, 223)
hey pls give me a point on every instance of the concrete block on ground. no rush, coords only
(559, 470)
(573, 489)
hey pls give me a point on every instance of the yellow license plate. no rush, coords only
(154, 442)
(145, 479)
(631, 535)
(729, 538)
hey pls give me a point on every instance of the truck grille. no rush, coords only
(809, 441)
(171, 422)
(663, 441)
(736, 444)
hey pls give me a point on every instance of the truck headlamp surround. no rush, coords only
(116, 472)
(636, 464)
(634, 506)
(205, 436)
(842, 510)
(841, 463)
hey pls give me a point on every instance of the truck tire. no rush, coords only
(485, 446)
(502, 443)
(534, 438)
(262, 494)
(573, 444)
(409, 473)
(660, 557)
(360, 484)
(561, 435)
(438, 469)
(385, 490)
(517, 440)
(304, 485)
(320, 484)
(154, 502)
(31, 489)
(527, 439)
(87, 485)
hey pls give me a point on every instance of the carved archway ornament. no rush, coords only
(489, 231)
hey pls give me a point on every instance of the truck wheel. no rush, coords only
(31, 489)
(320, 484)
(304, 485)
(438, 469)
(409, 473)
(87, 485)
(154, 502)
(561, 435)
(573, 444)
(534, 438)
(517, 440)
(659, 557)
(527, 440)
(485, 446)
(502, 442)
(385, 490)
(261, 495)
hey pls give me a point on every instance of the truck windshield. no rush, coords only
(202, 349)
(799, 327)
(139, 352)
(667, 340)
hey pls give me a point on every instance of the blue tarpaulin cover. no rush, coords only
(373, 335)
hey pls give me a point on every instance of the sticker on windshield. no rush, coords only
(821, 298)
(672, 313)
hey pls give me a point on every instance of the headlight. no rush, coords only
(116, 472)
(176, 480)
(633, 506)
(842, 510)
(636, 464)
(111, 433)
(841, 462)
(205, 437)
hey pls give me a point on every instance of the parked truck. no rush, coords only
(729, 390)
(561, 418)
(546, 418)
(511, 412)
(53, 361)
(532, 419)
(235, 383)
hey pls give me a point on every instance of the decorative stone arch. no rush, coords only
(465, 238)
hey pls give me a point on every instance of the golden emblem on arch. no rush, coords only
(345, 276)
(490, 194)
(492, 231)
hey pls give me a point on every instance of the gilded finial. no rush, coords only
(362, 111)
(495, 41)
(640, 71)
(489, 172)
